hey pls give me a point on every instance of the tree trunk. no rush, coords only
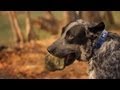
(30, 34)
(12, 26)
(91, 16)
(69, 16)
(109, 18)
(15, 27)
(48, 22)
(80, 14)
(48, 15)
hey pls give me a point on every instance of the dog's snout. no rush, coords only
(51, 49)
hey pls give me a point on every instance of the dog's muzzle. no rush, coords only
(53, 63)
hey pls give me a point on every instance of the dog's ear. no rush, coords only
(98, 28)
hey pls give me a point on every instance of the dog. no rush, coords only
(82, 40)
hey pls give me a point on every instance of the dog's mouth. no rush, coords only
(69, 59)
(54, 63)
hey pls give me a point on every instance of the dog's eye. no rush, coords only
(69, 36)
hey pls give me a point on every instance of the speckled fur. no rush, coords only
(104, 62)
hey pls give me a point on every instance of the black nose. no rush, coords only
(51, 49)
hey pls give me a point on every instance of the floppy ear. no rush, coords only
(98, 28)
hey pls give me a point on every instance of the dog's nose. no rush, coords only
(51, 49)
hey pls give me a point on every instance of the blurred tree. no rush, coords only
(48, 15)
(91, 16)
(12, 26)
(18, 36)
(69, 16)
(79, 14)
(108, 17)
(30, 34)
(48, 22)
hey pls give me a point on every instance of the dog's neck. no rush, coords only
(97, 43)
(101, 39)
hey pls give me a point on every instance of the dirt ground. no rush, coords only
(28, 63)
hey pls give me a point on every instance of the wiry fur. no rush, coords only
(78, 40)
(106, 62)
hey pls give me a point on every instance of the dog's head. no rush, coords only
(75, 35)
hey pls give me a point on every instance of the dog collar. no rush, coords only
(101, 39)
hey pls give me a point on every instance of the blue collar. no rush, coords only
(101, 39)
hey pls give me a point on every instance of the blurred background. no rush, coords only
(25, 35)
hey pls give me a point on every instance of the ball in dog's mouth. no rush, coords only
(53, 63)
